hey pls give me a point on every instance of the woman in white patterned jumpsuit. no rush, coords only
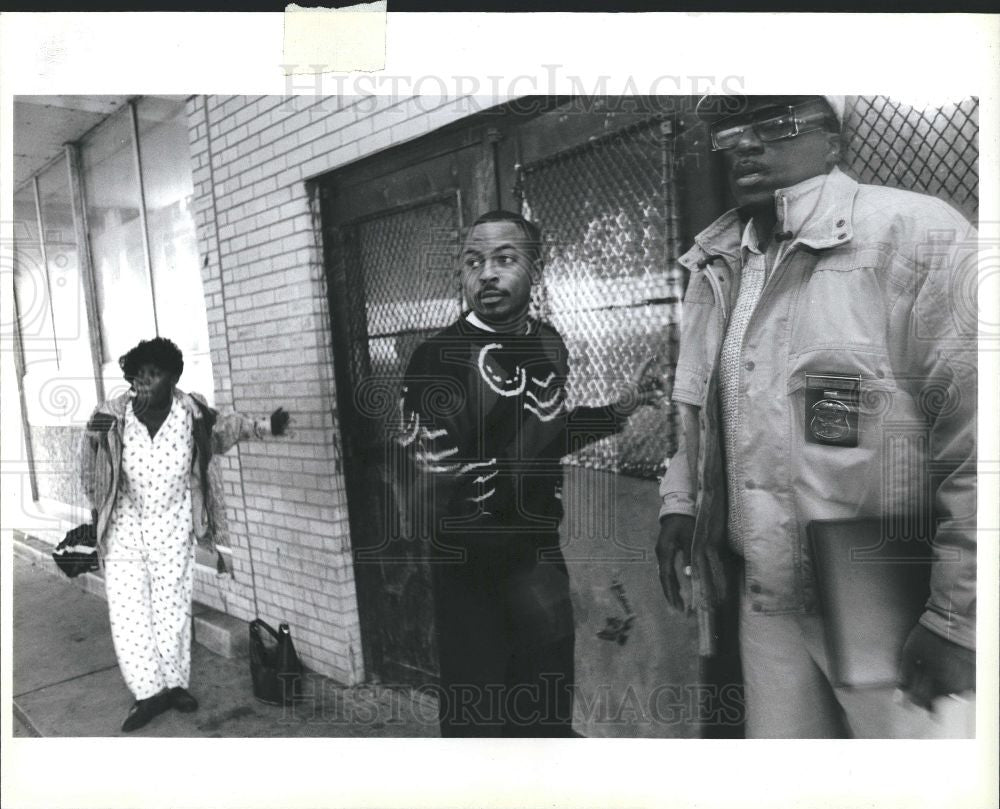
(146, 470)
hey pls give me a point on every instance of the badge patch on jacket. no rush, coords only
(832, 409)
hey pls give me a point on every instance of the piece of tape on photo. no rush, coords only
(334, 40)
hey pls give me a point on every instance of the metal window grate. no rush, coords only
(407, 258)
(933, 150)
(409, 267)
(611, 282)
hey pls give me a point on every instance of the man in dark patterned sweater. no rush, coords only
(483, 424)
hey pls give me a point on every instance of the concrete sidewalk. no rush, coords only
(67, 683)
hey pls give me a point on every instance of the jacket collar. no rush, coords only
(820, 217)
(476, 322)
(117, 406)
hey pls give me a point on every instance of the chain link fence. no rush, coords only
(408, 261)
(612, 286)
(930, 149)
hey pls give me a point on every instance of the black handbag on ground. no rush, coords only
(275, 668)
(77, 553)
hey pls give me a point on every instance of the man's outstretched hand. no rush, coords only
(933, 667)
(644, 388)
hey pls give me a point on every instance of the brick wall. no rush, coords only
(270, 338)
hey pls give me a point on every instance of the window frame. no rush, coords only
(105, 370)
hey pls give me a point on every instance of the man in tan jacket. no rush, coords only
(815, 277)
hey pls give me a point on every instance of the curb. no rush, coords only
(21, 717)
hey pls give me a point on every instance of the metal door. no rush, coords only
(391, 232)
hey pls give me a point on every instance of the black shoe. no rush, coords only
(144, 711)
(181, 700)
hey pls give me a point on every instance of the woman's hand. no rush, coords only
(279, 421)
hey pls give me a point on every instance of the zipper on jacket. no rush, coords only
(769, 285)
(713, 282)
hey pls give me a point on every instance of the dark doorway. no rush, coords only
(391, 230)
(587, 169)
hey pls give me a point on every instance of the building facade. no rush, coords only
(297, 248)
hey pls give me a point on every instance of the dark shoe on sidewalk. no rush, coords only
(181, 700)
(144, 711)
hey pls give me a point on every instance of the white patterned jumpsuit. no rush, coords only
(149, 566)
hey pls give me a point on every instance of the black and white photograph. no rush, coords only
(477, 415)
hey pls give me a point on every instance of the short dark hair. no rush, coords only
(531, 231)
(159, 351)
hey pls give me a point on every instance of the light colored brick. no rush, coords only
(265, 280)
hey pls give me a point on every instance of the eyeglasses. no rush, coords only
(773, 123)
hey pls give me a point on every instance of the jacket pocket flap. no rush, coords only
(883, 384)
(871, 363)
